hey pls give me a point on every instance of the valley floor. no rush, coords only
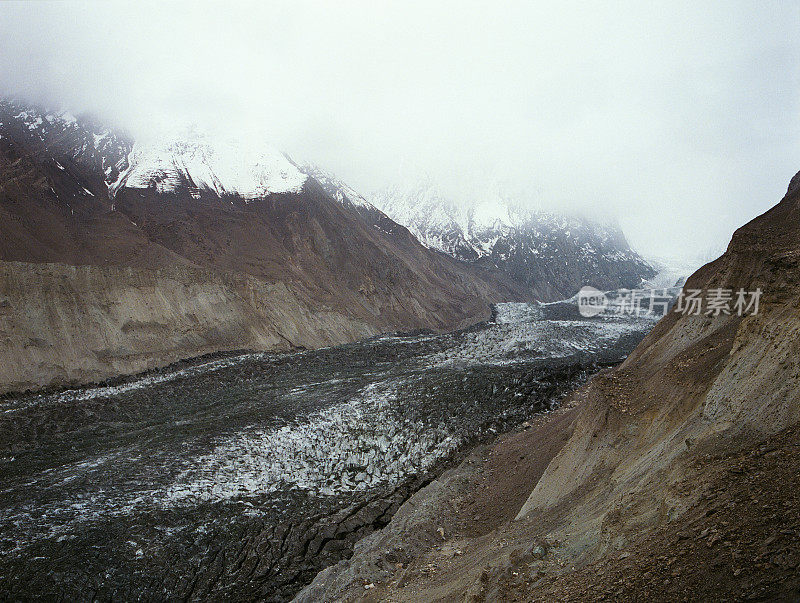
(243, 477)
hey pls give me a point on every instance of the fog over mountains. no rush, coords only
(678, 122)
(399, 301)
(534, 247)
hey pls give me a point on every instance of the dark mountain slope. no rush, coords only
(552, 254)
(74, 194)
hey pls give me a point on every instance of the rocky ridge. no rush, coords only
(669, 477)
(554, 254)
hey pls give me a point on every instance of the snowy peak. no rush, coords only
(200, 163)
(185, 160)
(436, 220)
(349, 198)
(471, 229)
(38, 122)
(553, 253)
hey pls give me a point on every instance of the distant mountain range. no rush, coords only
(551, 254)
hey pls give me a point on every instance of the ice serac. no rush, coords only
(553, 254)
(215, 227)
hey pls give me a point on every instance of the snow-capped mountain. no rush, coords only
(180, 161)
(555, 254)
(537, 255)
(350, 198)
(87, 142)
(152, 250)
(71, 145)
(204, 164)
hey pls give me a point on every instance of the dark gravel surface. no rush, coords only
(240, 478)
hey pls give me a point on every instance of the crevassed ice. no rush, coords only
(352, 446)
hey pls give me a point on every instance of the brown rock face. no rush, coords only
(294, 269)
(671, 477)
(63, 324)
(695, 382)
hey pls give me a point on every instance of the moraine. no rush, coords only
(247, 475)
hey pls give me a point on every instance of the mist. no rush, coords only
(680, 119)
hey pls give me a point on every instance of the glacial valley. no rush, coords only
(249, 474)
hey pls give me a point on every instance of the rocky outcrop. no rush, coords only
(660, 488)
(697, 380)
(794, 184)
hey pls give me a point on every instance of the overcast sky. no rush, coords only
(680, 118)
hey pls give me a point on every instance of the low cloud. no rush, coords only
(680, 118)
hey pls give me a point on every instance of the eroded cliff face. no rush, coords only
(672, 476)
(695, 383)
(63, 324)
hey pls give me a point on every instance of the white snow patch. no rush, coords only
(218, 165)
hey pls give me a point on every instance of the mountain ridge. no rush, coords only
(74, 192)
(554, 253)
(64, 202)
